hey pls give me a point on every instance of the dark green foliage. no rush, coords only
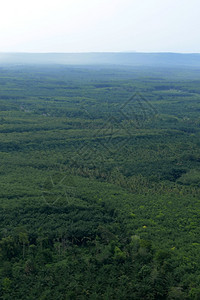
(99, 200)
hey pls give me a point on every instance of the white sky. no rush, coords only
(99, 25)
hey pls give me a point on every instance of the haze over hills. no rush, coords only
(105, 58)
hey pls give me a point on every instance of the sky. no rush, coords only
(100, 26)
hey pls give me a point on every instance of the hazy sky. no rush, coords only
(99, 25)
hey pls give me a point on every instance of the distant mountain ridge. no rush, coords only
(104, 58)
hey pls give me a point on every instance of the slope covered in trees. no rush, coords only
(99, 183)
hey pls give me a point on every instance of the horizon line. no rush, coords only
(99, 52)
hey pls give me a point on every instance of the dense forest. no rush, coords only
(99, 182)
